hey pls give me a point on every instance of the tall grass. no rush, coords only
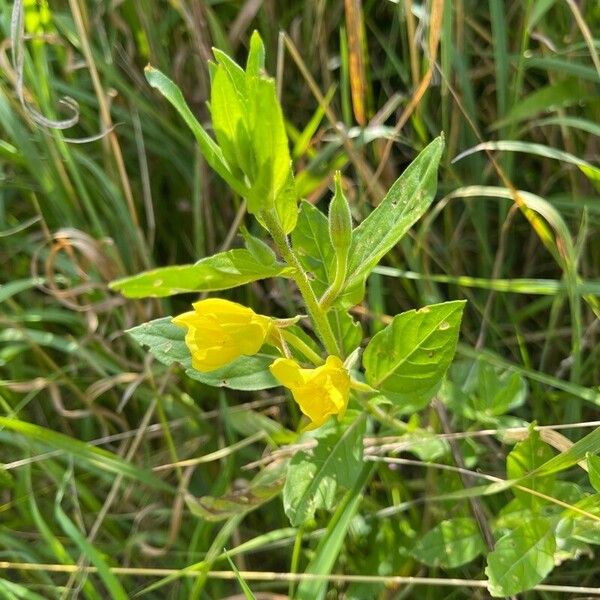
(88, 418)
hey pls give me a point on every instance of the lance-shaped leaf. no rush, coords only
(406, 201)
(218, 272)
(166, 342)
(407, 360)
(209, 148)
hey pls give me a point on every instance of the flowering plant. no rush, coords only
(222, 343)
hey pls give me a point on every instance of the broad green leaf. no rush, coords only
(593, 463)
(521, 559)
(166, 342)
(498, 392)
(480, 392)
(244, 498)
(218, 272)
(407, 360)
(209, 148)
(525, 458)
(450, 544)
(313, 477)
(329, 547)
(407, 200)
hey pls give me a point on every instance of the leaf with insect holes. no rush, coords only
(166, 342)
(407, 360)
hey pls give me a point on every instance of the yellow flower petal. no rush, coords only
(219, 331)
(321, 392)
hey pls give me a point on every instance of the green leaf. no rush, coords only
(245, 587)
(166, 342)
(576, 453)
(244, 498)
(521, 559)
(524, 458)
(273, 187)
(86, 548)
(593, 463)
(450, 544)
(498, 392)
(544, 99)
(8, 290)
(228, 109)
(256, 56)
(310, 240)
(347, 331)
(313, 477)
(95, 458)
(407, 360)
(407, 200)
(218, 272)
(210, 150)
(329, 547)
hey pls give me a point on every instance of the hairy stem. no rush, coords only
(317, 314)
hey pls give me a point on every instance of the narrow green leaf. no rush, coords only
(166, 342)
(245, 587)
(98, 458)
(593, 463)
(590, 444)
(8, 290)
(525, 458)
(218, 272)
(407, 200)
(210, 150)
(551, 97)
(313, 477)
(111, 582)
(329, 547)
(521, 559)
(407, 360)
(450, 544)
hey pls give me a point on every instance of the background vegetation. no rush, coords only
(364, 88)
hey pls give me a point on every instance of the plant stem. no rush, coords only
(301, 346)
(317, 314)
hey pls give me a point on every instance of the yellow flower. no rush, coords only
(219, 331)
(319, 392)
